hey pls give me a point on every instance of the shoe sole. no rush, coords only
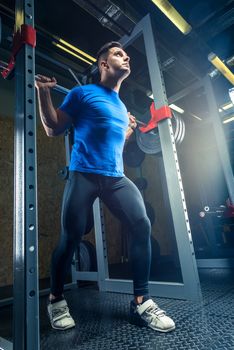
(162, 330)
(62, 329)
(142, 323)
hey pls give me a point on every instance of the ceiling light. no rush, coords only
(71, 52)
(173, 15)
(230, 61)
(76, 49)
(176, 108)
(227, 106)
(195, 116)
(220, 110)
(172, 106)
(228, 120)
(215, 60)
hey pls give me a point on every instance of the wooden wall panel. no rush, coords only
(6, 200)
(50, 188)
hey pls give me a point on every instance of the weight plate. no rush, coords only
(150, 142)
(176, 126)
(181, 128)
(87, 256)
(183, 131)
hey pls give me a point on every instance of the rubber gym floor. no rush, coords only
(102, 320)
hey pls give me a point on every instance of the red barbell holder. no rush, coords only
(156, 116)
(26, 35)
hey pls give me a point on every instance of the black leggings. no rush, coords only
(124, 200)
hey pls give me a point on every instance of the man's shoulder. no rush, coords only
(81, 89)
(89, 87)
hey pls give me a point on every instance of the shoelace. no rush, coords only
(59, 311)
(154, 309)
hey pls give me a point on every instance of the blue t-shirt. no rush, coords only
(100, 122)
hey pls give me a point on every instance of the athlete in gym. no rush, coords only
(101, 125)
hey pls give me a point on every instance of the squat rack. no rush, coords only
(190, 288)
(26, 296)
(26, 291)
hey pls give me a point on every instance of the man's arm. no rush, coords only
(53, 120)
(131, 126)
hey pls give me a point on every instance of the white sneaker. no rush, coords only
(150, 315)
(59, 315)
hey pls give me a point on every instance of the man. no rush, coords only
(101, 124)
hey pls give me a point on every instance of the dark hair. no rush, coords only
(106, 47)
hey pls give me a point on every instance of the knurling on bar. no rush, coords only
(26, 35)
(156, 116)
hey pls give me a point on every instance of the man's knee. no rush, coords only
(142, 227)
(74, 229)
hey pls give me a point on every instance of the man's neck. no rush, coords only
(112, 84)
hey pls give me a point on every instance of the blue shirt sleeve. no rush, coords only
(71, 103)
